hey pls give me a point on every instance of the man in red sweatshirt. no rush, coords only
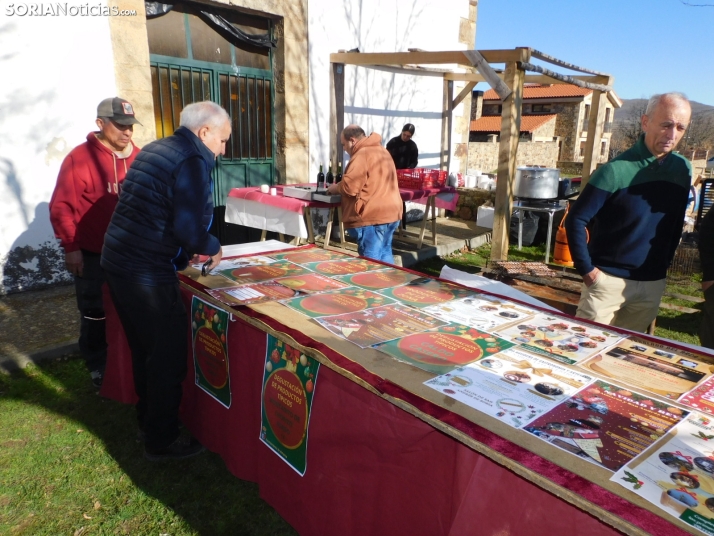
(82, 204)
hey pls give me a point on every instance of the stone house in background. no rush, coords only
(554, 116)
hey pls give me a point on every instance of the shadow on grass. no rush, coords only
(201, 491)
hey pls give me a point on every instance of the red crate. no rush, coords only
(418, 178)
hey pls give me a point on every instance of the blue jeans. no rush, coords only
(375, 241)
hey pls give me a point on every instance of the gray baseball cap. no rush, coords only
(118, 110)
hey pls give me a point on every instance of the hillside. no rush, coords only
(630, 106)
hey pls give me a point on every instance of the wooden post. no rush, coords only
(595, 128)
(507, 149)
(337, 111)
(447, 117)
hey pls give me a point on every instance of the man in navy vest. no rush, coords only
(161, 222)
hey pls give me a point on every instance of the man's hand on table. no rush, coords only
(591, 277)
(333, 189)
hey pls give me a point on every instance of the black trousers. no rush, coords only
(92, 334)
(156, 327)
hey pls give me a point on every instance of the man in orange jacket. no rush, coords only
(82, 204)
(371, 204)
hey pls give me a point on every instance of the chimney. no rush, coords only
(476, 105)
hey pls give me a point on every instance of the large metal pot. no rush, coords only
(536, 183)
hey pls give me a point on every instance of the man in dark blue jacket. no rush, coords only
(161, 221)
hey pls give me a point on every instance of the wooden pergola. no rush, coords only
(508, 84)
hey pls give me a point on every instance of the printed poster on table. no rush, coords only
(210, 349)
(443, 349)
(425, 291)
(239, 262)
(379, 279)
(372, 326)
(253, 293)
(606, 424)
(288, 389)
(310, 255)
(310, 283)
(513, 386)
(263, 272)
(352, 265)
(659, 369)
(677, 475)
(559, 338)
(701, 397)
(481, 312)
(336, 302)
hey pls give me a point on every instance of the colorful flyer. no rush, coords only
(512, 385)
(659, 369)
(606, 424)
(701, 397)
(288, 391)
(210, 350)
(336, 302)
(238, 262)
(352, 265)
(373, 326)
(254, 293)
(481, 312)
(310, 283)
(379, 279)
(443, 349)
(425, 291)
(677, 475)
(559, 338)
(310, 255)
(266, 272)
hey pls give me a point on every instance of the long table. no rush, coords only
(386, 454)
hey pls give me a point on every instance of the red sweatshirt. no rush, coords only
(86, 193)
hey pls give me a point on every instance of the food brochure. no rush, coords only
(677, 474)
(606, 424)
(209, 331)
(352, 265)
(559, 338)
(656, 368)
(373, 326)
(253, 293)
(701, 398)
(481, 311)
(311, 255)
(425, 291)
(336, 302)
(513, 385)
(443, 349)
(379, 279)
(309, 283)
(266, 272)
(239, 262)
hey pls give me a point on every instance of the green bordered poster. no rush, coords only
(210, 350)
(289, 381)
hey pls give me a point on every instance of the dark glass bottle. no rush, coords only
(338, 178)
(320, 180)
(330, 176)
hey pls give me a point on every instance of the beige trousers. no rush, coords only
(621, 302)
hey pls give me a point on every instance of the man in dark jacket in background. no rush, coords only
(403, 149)
(706, 256)
(161, 221)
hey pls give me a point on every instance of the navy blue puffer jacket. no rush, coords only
(164, 211)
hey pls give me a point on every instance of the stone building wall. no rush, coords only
(566, 127)
(484, 156)
(469, 201)
(545, 131)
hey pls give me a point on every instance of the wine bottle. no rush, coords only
(338, 178)
(320, 180)
(330, 176)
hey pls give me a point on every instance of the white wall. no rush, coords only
(55, 70)
(378, 101)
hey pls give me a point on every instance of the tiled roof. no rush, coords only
(492, 123)
(545, 92)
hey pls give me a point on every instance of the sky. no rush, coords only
(649, 46)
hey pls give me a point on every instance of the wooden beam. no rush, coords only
(555, 61)
(478, 61)
(337, 112)
(593, 141)
(529, 78)
(427, 58)
(464, 93)
(507, 150)
(407, 70)
(565, 78)
(446, 125)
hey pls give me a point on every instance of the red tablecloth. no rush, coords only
(373, 468)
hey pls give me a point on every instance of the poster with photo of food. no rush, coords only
(606, 424)
(209, 331)
(266, 272)
(337, 302)
(424, 291)
(310, 283)
(513, 385)
(659, 369)
(559, 338)
(253, 293)
(351, 265)
(380, 324)
(379, 279)
(481, 311)
(444, 349)
(310, 255)
(677, 475)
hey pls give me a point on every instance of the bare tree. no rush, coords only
(627, 129)
(700, 133)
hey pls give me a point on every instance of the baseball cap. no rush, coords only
(118, 110)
